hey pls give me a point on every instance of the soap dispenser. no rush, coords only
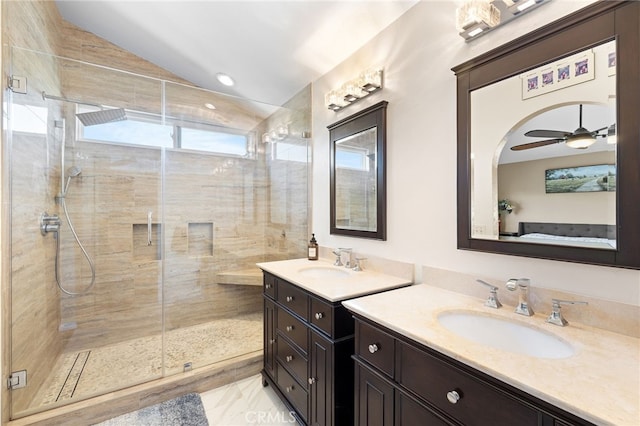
(313, 248)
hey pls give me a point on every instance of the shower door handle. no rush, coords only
(149, 228)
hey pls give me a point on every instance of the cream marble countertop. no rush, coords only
(334, 289)
(600, 382)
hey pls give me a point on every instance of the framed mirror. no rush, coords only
(357, 175)
(548, 148)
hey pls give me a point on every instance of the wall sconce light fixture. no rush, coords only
(353, 90)
(477, 17)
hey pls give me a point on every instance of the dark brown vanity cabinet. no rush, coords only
(308, 344)
(403, 383)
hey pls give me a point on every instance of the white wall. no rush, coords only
(417, 53)
(523, 183)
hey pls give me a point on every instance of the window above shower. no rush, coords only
(139, 129)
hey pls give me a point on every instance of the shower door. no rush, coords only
(214, 195)
(137, 215)
(86, 234)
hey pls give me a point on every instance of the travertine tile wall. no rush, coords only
(355, 188)
(32, 324)
(289, 179)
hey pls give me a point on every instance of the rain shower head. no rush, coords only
(93, 117)
(102, 117)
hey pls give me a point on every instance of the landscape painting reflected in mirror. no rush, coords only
(601, 177)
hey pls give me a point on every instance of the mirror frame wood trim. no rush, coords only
(595, 24)
(373, 116)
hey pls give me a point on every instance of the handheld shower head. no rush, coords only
(73, 171)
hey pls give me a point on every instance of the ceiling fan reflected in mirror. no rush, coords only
(581, 138)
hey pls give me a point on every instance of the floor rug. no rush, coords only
(186, 410)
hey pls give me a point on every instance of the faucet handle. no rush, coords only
(492, 301)
(358, 266)
(338, 254)
(555, 317)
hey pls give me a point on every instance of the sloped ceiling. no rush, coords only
(272, 49)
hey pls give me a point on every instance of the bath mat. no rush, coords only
(186, 410)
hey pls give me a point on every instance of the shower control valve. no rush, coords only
(49, 223)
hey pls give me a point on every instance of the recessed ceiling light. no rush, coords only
(210, 106)
(225, 79)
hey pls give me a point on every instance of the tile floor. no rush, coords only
(83, 374)
(245, 402)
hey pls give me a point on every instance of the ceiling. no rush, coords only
(272, 49)
(565, 118)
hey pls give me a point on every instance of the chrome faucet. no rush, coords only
(345, 257)
(556, 315)
(492, 301)
(523, 307)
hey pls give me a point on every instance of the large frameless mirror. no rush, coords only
(358, 174)
(548, 147)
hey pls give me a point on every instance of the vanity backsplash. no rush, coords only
(612, 316)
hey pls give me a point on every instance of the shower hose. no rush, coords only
(84, 252)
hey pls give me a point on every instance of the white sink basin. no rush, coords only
(510, 336)
(325, 272)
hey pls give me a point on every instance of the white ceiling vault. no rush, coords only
(272, 49)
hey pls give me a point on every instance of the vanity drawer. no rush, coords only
(410, 412)
(293, 329)
(269, 285)
(293, 360)
(293, 298)
(376, 347)
(334, 320)
(479, 402)
(322, 315)
(292, 390)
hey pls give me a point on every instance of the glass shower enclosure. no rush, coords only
(136, 216)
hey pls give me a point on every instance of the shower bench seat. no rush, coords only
(250, 277)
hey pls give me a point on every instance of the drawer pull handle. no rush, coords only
(312, 380)
(289, 389)
(272, 341)
(289, 299)
(289, 328)
(453, 397)
(267, 286)
(373, 348)
(289, 358)
(319, 315)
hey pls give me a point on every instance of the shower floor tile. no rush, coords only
(95, 371)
